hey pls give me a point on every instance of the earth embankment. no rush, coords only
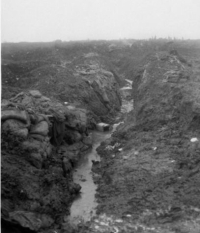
(156, 184)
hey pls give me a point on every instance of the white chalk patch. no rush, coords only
(155, 148)
(194, 140)
(128, 215)
(120, 149)
(118, 220)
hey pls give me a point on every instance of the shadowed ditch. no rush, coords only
(83, 208)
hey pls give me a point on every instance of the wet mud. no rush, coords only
(83, 208)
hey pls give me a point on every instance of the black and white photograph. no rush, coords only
(100, 116)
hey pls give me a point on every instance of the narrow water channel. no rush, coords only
(83, 208)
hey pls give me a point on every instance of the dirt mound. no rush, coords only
(41, 140)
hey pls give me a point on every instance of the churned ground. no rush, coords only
(149, 181)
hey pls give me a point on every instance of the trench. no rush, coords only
(83, 207)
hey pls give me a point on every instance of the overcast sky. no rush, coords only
(47, 20)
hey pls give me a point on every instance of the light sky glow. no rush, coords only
(48, 20)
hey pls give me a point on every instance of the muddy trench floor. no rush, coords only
(154, 181)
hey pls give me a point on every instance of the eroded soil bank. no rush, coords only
(152, 184)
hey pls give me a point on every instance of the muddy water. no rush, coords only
(83, 208)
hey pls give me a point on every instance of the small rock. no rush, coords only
(35, 93)
(44, 99)
(136, 152)
(194, 140)
(41, 128)
(119, 220)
